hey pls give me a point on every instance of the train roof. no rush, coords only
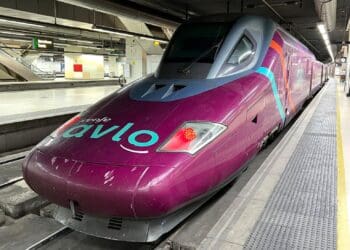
(232, 18)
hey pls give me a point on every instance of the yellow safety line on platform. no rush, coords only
(343, 241)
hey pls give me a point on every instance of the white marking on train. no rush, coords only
(134, 151)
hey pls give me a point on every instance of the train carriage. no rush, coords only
(134, 165)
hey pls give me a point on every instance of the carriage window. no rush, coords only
(242, 52)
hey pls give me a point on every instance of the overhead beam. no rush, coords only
(291, 26)
(115, 8)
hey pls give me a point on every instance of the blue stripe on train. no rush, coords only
(269, 74)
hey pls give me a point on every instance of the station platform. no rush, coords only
(295, 198)
(34, 104)
(58, 83)
(26, 117)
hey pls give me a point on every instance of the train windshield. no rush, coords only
(196, 42)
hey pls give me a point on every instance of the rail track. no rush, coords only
(66, 238)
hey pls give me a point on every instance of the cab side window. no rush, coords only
(242, 52)
(240, 57)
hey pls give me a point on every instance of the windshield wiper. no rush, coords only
(186, 68)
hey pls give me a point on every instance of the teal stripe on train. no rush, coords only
(269, 74)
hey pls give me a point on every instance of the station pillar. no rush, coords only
(136, 59)
(347, 76)
(82, 65)
(112, 66)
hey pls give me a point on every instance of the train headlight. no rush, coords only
(50, 138)
(67, 124)
(192, 136)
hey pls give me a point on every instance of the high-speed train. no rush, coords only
(138, 162)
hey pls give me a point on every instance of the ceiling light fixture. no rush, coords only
(61, 45)
(322, 28)
(127, 33)
(153, 39)
(21, 23)
(110, 31)
(44, 41)
(15, 39)
(11, 33)
(75, 40)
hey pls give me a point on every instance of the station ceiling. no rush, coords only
(75, 21)
(300, 14)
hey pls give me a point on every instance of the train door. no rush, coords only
(282, 83)
(294, 81)
(275, 98)
(255, 118)
(291, 76)
(305, 77)
(310, 73)
(298, 79)
(288, 99)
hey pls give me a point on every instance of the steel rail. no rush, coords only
(60, 232)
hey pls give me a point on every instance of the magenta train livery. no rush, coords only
(139, 161)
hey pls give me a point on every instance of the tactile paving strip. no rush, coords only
(301, 211)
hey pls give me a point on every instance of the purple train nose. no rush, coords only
(103, 190)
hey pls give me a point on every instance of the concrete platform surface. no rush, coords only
(10, 171)
(35, 104)
(48, 211)
(79, 241)
(18, 199)
(58, 83)
(2, 217)
(26, 231)
(13, 155)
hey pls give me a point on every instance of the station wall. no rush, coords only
(83, 66)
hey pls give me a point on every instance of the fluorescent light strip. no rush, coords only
(44, 41)
(61, 44)
(75, 45)
(322, 28)
(112, 32)
(87, 46)
(14, 39)
(11, 33)
(120, 33)
(21, 23)
(75, 40)
(153, 39)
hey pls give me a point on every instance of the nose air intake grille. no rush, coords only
(115, 223)
(77, 214)
(158, 86)
(178, 87)
(169, 89)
